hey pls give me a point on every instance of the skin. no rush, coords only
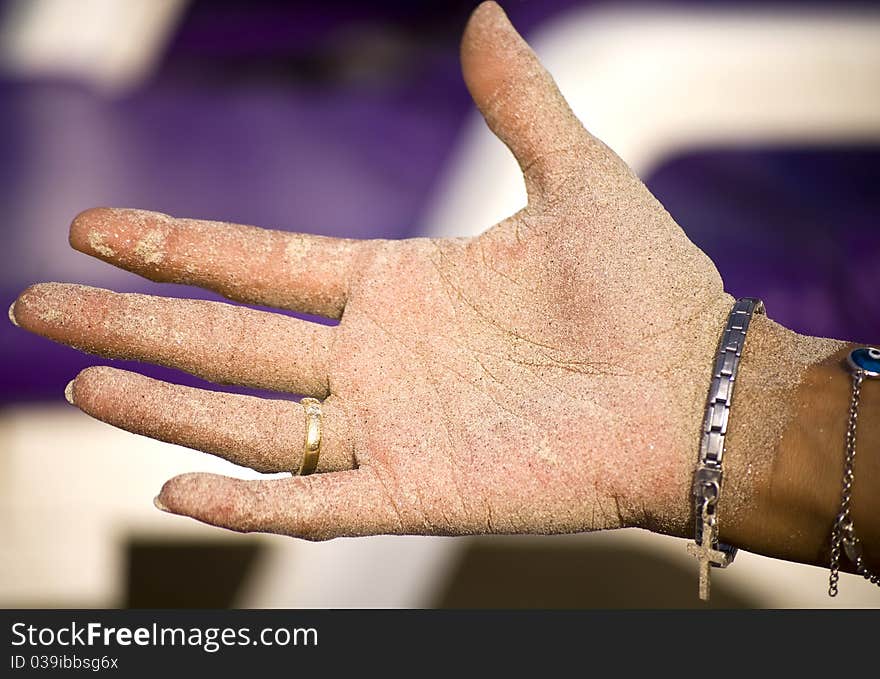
(548, 376)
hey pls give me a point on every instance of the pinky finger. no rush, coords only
(319, 507)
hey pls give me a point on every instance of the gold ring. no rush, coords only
(312, 447)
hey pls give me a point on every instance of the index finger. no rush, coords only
(296, 271)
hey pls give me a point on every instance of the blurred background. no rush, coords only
(758, 126)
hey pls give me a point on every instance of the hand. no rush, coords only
(547, 376)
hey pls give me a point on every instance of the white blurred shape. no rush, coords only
(386, 571)
(73, 490)
(110, 44)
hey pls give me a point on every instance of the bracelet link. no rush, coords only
(707, 484)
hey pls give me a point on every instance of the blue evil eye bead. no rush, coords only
(866, 359)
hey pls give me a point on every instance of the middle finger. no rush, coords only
(219, 342)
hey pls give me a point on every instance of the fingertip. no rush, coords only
(484, 14)
(88, 232)
(60, 312)
(129, 238)
(49, 294)
(26, 310)
(487, 25)
(158, 504)
(488, 7)
(68, 392)
(88, 218)
(88, 386)
(196, 494)
(174, 492)
(31, 292)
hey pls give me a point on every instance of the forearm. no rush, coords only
(785, 449)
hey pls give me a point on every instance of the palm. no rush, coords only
(494, 384)
(458, 410)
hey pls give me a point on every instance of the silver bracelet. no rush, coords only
(708, 476)
(863, 363)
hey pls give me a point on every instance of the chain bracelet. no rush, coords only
(864, 363)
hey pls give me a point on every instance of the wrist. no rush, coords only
(783, 451)
(790, 509)
(767, 487)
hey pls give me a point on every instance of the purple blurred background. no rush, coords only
(338, 118)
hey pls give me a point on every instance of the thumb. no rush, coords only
(519, 99)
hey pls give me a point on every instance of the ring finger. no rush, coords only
(263, 434)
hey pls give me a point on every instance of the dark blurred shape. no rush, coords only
(549, 573)
(795, 226)
(184, 574)
(304, 35)
(342, 41)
